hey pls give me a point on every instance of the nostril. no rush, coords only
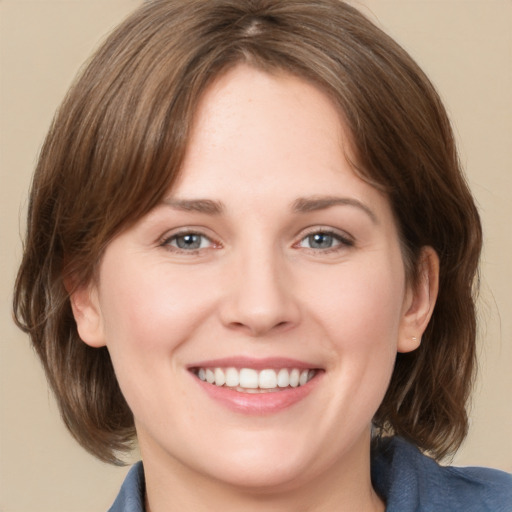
(257, 306)
(257, 329)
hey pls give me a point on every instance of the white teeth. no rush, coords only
(220, 377)
(210, 376)
(294, 378)
(267, 379)
(303, 377)
(232, 377)
(283, 378)
(250, 379)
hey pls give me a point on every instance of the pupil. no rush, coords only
(320, 241)
(188, 242)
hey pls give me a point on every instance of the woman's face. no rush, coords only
(270, 263)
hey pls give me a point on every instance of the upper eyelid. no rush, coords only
(326, 230)
(164, 240)
(186, 230)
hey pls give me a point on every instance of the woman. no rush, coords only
(250, 245)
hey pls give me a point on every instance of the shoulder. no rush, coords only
(411, 481)
(131, 495)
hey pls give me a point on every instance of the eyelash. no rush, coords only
(342, 241)
(167, 242)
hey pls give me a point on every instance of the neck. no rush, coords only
(345, 485)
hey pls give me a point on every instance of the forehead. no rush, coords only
(260, 132)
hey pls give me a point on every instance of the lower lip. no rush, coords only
(259, 403)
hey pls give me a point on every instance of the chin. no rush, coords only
(261, 475)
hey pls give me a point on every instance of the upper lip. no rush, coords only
(255, 363)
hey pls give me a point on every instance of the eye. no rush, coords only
(187, 241)
(325, 240)
(319, 241)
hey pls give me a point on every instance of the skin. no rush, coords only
(258, 287)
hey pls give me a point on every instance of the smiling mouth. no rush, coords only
(249, 380)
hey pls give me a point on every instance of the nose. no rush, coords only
(259, 296)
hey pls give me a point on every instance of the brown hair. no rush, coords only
(116, 146)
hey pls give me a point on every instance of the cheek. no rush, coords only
(152, 319)
(148, 316)
(361, 305)
(361, 316)
(151, 312)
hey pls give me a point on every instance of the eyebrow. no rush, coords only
(300, 205)
(206, 206)
(315, 203)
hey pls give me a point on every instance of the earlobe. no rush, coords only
(87, 313)
(421, 300)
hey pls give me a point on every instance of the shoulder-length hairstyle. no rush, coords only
(116, 146)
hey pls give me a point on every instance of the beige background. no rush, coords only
(466, 48)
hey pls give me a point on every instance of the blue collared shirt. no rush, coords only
(407, 481)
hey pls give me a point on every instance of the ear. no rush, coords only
(87, 312)
(420, 301)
